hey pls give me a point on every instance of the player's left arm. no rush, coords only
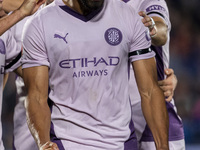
(152, 101)
(157, 27)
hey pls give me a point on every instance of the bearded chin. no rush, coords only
(86, 7)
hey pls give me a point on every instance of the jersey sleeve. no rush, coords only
(140, 40)
(34, 49)
(13, 53)
(157, 8)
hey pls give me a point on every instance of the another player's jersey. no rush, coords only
(21, 132)
(158, 8)
(10, 55)
(88, 65)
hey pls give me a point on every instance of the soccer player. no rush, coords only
(76, 59)
(158, 11)
(27, 8)
(22, 135)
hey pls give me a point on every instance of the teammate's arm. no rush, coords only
(159, 38)
(37, 109)
(158, 31)
(169, 84)
(28, 7)
(152, 100)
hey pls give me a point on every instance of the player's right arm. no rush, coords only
(27, 8)
(37, 109)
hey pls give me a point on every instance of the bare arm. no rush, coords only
(28, 7)
(38, 111)
(158, 32)
(153, 103)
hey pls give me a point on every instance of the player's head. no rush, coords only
(88, 6)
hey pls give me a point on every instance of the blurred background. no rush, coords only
(185, 60)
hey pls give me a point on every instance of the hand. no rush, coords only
(148, 22)
(29, 7)
(169, 84)
(49, 146)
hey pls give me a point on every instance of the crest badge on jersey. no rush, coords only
(113, 36)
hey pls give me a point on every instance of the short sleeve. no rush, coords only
(13, 52)
(34, 49)
(140, 40)
(157, 8)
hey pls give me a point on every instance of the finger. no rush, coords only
(147, 22)
(142, 14)
(169, 71)
(153, 31)
(161, 83)
(167, 88)
(55, 147)
(169, 98)
(168, 93)
(166, 82)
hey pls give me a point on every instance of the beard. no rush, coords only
(88, 6)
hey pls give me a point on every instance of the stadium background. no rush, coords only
(185, 60)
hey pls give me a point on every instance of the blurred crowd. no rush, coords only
(185, 60)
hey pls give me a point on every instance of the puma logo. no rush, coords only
(60, 37)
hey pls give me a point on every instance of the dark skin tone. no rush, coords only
(84, 7)
(38, 112)
(39, 130)
(87, 6)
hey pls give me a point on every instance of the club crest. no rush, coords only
(113, 36)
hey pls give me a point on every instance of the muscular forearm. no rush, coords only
(38, 119)
(10, 20)
(156, 115)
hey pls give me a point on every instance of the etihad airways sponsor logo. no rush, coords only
(90, 73)
(91, 64)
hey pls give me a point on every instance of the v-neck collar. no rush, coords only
(79, 16)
